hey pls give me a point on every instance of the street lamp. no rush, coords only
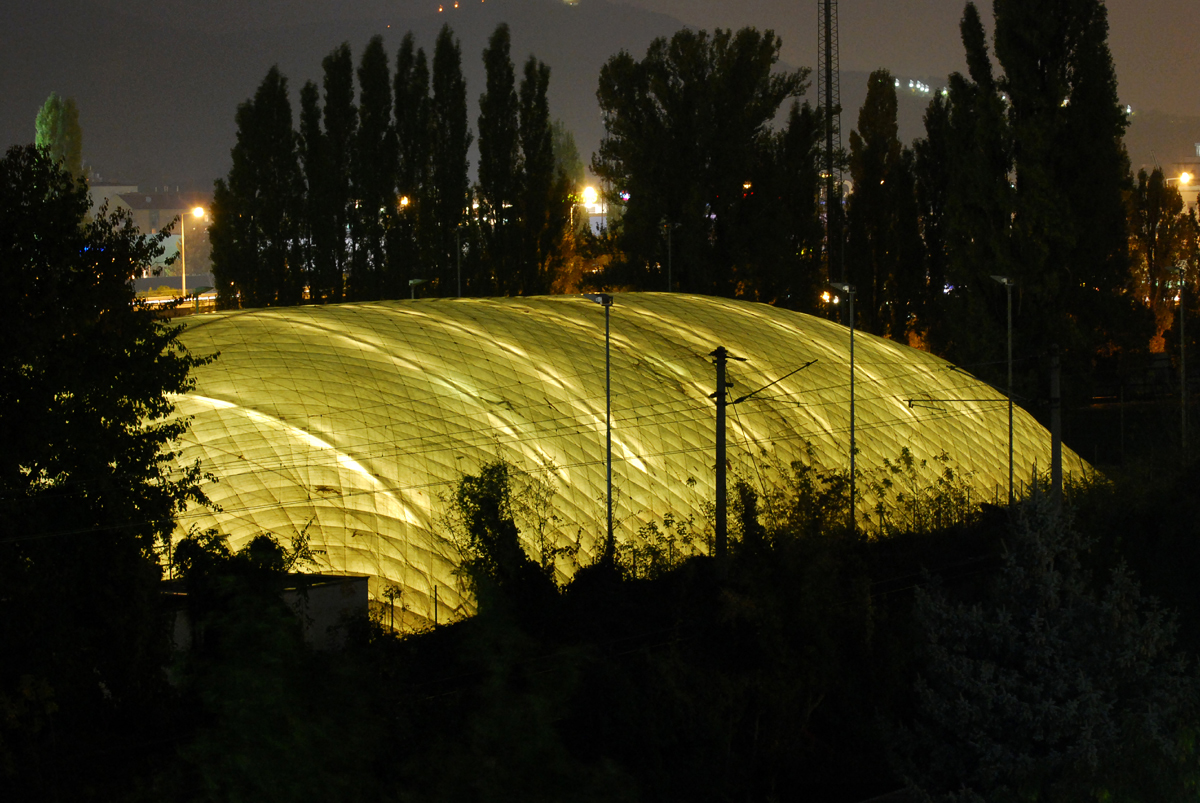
(1182, 366)
(848, 289)
(412, 287)
(1008, 286)
(606, 300)
(197, 212)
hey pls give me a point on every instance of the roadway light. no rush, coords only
(412, 286)
(1185, 178)
(848, 289)
(198, 213)
(1008, 286)
(606, 300)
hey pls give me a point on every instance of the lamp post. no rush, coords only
(412, 287)
(848, 289)
(1008, 286)
(197, 212)
(606, 300)
(1182, 367)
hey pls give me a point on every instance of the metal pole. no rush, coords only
(609, 547)
(1056, 479)
(853, 442)
(1182, 370)
(183, 252)
(458, 256)
(670, 283)
(1008, 289)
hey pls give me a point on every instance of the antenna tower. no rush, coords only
(831, 102)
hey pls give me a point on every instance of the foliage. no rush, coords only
(256, 213)
(88, 477)
(688, 150)
(884, 253)
(1051, 688)
(58, 131)
(482, 516)
(1161, 232)
(905, 502)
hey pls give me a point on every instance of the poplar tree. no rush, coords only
(341, 122)
(58, 131)
(319, 237)
(500, 169)
(1069, 235)
(413, 135)
(544, 209)
(883, 263)
(448, 174)
(255, 228)
(372, 176)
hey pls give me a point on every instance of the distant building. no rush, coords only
(154, 211)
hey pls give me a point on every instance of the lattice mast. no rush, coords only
(831, 102)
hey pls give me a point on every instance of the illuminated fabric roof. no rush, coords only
(352, 419)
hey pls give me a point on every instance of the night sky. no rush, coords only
(157, 84)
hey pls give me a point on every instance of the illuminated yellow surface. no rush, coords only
(356, 417)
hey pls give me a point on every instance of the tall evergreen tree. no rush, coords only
(544, 204)
(256, 212)
(449, 187)
(341, 123)
(413, 138)
(1160, 235)
(372, 176)
(58, 131)
(887, 270)
(320, 237)
(1069, 235)
(500, 169)
(932, 173)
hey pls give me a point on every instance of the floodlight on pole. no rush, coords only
(412, 287)
(197, 212)
(606, 300)
(848, 289)
(1182, 366)
(1008, 286)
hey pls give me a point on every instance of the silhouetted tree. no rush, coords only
(58, 131)
(372, 176)
(413, 140)
(884, 255)
(341, 123)
(1052, 688)
(256, 213)
(544, 204)
(449, 190)
(88, 478)
(685, 129)
(500, 168)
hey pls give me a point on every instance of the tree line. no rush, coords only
(1021, 173)
(370, 194)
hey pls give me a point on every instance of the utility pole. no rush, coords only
(1055, 427)
(1008, 286)
(722, 539)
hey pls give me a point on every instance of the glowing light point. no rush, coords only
(589, 195)
(1185, 178)
(198, 212)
